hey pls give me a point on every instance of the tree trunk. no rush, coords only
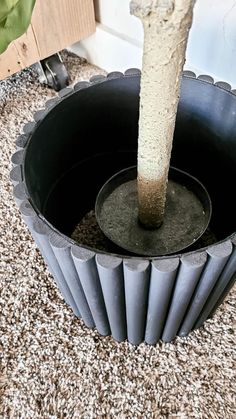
(166, 25)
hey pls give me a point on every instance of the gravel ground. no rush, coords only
(52, 366)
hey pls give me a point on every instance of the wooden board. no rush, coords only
(55, 25)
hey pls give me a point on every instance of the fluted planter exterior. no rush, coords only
(92, 129)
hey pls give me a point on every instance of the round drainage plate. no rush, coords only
(187, 214)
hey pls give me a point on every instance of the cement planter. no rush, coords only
(64, 157)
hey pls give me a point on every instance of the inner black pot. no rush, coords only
(92, 134)
(83, 138)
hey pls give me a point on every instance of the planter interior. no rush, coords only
(92, 134)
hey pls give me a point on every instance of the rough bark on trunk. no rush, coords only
(166, 25)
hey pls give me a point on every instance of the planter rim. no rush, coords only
(17, 176)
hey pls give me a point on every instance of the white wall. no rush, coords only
(115, 14)
(212, 40)
(117, 43)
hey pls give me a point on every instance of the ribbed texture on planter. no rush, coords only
(130, 298)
